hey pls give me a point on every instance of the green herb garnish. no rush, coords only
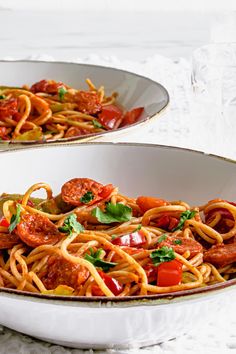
(138, 228)
(94, 258)
(162, 238)
(161, 255)
(15, 219)
(177, 242)
(2, 97)
(87, 197)
(186, 215)
(113, 213)
(71, 225)
(96, 124)
(61, 92)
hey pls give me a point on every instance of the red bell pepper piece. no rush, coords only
(4, 222)
(169, 273)
(136, 239)
(151, 272)
(132, 116)
(114, 285)
(110, 116)
(167, 222)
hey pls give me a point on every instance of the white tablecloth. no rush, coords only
(184, 126)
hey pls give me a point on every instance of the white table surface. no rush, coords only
(150, 45)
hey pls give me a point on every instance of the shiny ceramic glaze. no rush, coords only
(170, 173)
(134, 90)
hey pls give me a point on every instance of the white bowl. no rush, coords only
(134, 90)
(171, 173)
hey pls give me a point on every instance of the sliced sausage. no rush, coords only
(36, 230)
(221, 255)
(8, 241)
(88, 102)
(183, 244)
(47, 86)
(62, 272)
(226, 221)
(73, 190)
(8, 108)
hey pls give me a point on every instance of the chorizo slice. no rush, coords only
(182, 244)
(226, 221)
(88, 102)
(63, 272)
(47, 86)
(81, 191)
(8, 241)
(8, 108)
(221, 255)
(36, 230)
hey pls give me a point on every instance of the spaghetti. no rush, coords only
(50, 110)
(90, 240)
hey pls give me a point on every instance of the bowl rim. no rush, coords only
(113, 143)
(92, 136)
(127, 300)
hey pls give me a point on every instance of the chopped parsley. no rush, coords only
(162, 238)
(71, 225)
(186, 215)
(2, 97)
(94, 258)
(96, 124)
(113, 213)
(177, 242)
(87, 197)
(15, 219)
(161, 255)
(138, 228)
(61, 92)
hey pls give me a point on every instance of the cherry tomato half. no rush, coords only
(146, 203)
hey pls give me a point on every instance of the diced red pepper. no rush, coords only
(29, 202)
(167, 222)
(132, 116)
(114, 285)
(136, 239)
(109, 116)
(173, 223)
(4, 222)
(151, 272)
(169, 273)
